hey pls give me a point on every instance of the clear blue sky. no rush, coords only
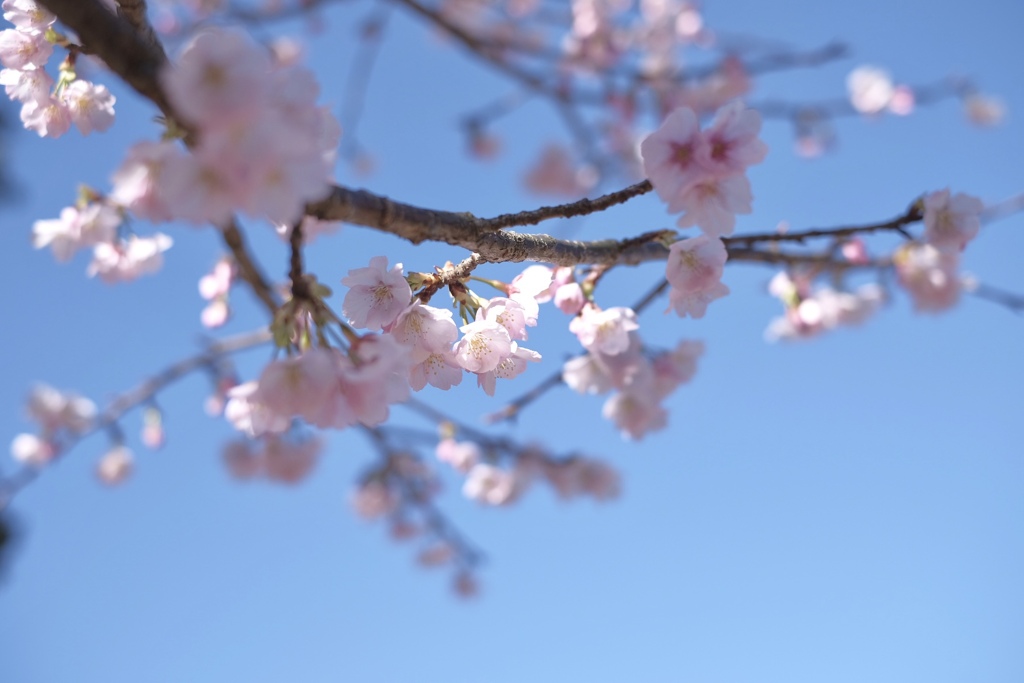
(845, 510)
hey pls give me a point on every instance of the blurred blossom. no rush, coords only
(870, 88)
(115, 466)
(984, 111)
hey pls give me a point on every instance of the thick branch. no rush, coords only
(475, 234)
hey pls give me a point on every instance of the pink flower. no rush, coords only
(25, 49)
(438, 369)
(491, 485)
(604, 331)
(670, 155)
(586, 375)
(635, 413)
(555, 173)
(54, 410)
(374, 499)
(26, 86)
(242, 460)
(535, 282)
(115, 466)
(929, 276)
(246, 414)
(984, 111)
(137, 183)
(694, 269)
(376, 295)
(425, 327)
(32, 450)
(94, 224)
(378, 377)
(128, 259)
(49, 117)
(218, 282)
(507, 313)
(289, 461)
(197, 188)
(870, 88)
(220, 73)
(712, 204)
(298, 386)
(27, 15)
(461, 455)
(570, 298)
(91, 106)
(950, 222)
(484, 345)
(730, 143)
(676, 367)
(510, 367)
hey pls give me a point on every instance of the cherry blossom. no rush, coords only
(48, 116)
(670, 155)
(32, 450)
(26, 86)
(129, 258)
(27, 15)
(425, 327)
(870, 89)
(242, 459)
(247, 415)
(439, 369)
(509, 367)
(374, 499)
(54, 410)
(461, 455)
(492, 485)
(507, 313)
(730, 143)
(604, 331)
(635, 413)
(24, 49)
(712, 204)
(376, 295)
(694, 269)
(951, 221)
(556, 173)
(929, 276)
(116, 465)
(483, 346)
(90, 106)
(218, 75)
(298, 386)
(289, 460)
(76, 228)
(137, 183)
(984, 111)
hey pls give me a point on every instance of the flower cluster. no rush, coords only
(215, 287)
(640, 380)
(96, 222)
(490, 484)
(703, 172)
(694, 271)
(58, 415)
(282, 458)
(48, 108)
(808, 313)
(263, 147)
(929, 275)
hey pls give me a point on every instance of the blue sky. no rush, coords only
(842, 510)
